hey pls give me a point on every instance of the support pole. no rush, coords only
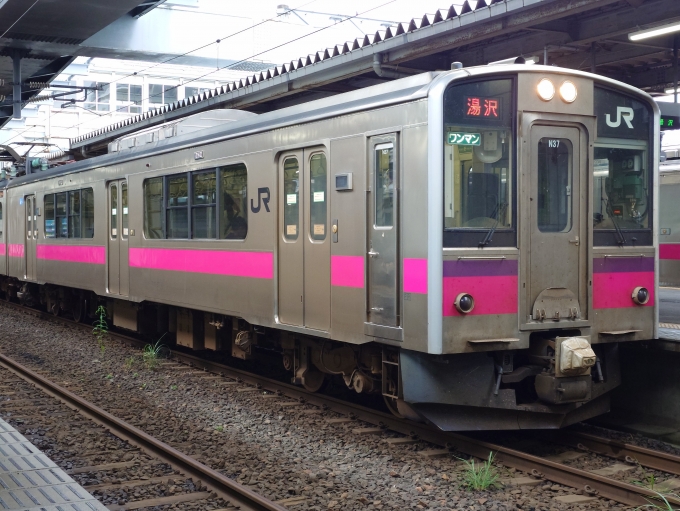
(545, 55)
(675, 69)
(16, 93)
(593, 64)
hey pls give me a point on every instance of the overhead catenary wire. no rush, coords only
(18, 19)
(348, 18)
(218, 41)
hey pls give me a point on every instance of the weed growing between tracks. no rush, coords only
(101, 328)
(481, 476)
(151, 354)
(663, 505)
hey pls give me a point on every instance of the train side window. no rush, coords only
(87, 213)
(124, 205)
(74, 214)
(203, 205)
(318, 209)
(61, 216)
(233, 215)
(177, 207)
(50, 226)
(153, 208)
(291, 205)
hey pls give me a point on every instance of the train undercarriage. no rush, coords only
(493, 390)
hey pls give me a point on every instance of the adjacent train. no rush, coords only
(669, 220)
(473, 244)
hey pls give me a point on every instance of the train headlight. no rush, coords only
(545, 89)
(640, 295)
(464, 303)
(568, 92)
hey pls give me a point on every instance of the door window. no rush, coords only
(554, 185)
(384, 185)
(317, 197)
(29, 219)
(114, 212)
(291, 205)
(124, 200)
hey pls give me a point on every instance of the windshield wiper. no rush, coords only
(619, 232)
(489, 235)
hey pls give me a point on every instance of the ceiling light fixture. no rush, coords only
(654, 32)
(672, 90)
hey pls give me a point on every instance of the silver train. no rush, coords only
(473, 244)
(669, 220)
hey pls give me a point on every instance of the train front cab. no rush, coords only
(549, 254)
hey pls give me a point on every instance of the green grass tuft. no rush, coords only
(480, 476)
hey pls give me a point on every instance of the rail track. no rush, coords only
(538, 468)
(224, 487)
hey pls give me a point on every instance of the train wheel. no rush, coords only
(391, 403)
(401, 409)
(78, 308)
(314, 381)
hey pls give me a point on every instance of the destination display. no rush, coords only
(483, 107)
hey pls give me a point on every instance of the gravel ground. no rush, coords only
(77, 445)
(286, 453)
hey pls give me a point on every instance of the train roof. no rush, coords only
(394, 92)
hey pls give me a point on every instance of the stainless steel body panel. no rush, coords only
(556, 255)
(31, 237)
(669, 225)
(304, 241)
(382, 223)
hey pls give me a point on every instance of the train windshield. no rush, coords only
(478, 161)
(622, 170)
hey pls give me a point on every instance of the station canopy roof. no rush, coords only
(589, 35)
(47, 35)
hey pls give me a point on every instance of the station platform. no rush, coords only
(669, 316)
(30, 481)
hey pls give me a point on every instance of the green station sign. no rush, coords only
(669, 122)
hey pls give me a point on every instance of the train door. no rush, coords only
(304, 241)
(31, 237)
(117, 259)
(557, 276)
(383, 239)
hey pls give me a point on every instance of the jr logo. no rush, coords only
(622, 112)
(260, 200)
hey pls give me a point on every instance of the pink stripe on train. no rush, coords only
(16, 250)
(615, 290)
(493, 295)
(3, 249)
(72, 253)
(257, 265)
(347, 271)
(669, 251)
(415, 276)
